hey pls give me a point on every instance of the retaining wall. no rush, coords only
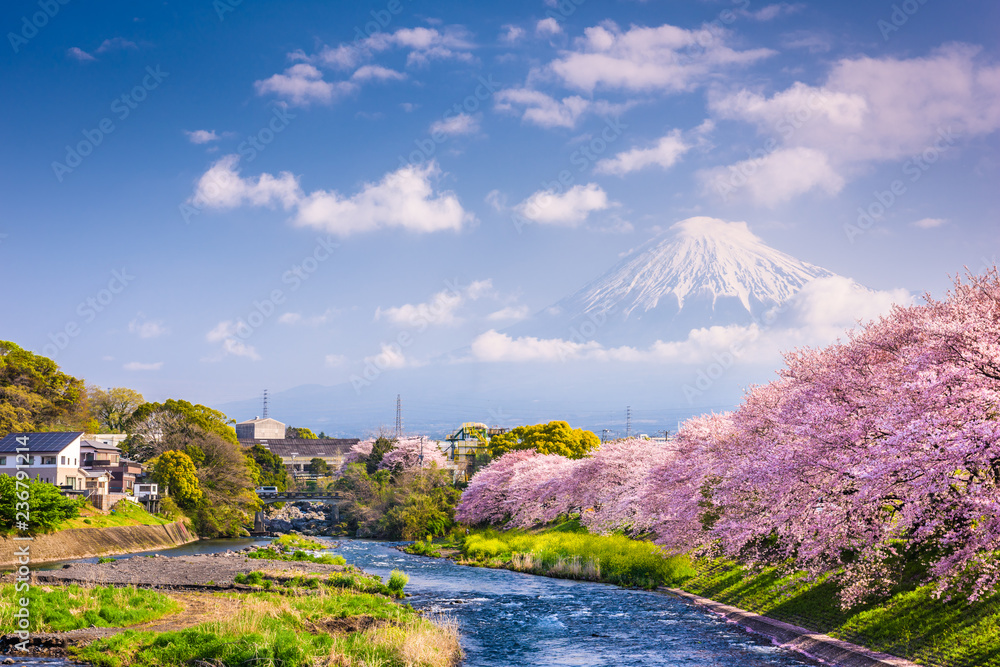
(90, 542)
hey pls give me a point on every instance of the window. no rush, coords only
(3, 460)
(48, 461)
(64, 460)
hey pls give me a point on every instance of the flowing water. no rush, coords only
(509, 619)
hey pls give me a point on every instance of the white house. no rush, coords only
(50, 457)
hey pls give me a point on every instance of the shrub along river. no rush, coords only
(510, 619)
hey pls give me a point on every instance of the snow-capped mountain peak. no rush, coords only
(700, 257)
(700, 272)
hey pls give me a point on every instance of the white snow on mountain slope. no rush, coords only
(699, 257)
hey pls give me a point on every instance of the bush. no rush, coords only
(48, 508)
(397, 581)
(105, 559)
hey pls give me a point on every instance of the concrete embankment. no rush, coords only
(90, 542)
(821, 647)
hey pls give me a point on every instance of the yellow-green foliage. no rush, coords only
(611, 558)
(63, 608)
(271, 630)
(126, 513)
(556, 437)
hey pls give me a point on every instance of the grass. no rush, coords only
(272, 630)
(422, 548)
(910, 623)
(268, 553)
(72, 607)
(293, 542)
(568, 551)
(126, 513)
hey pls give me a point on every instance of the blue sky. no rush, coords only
(312, 151)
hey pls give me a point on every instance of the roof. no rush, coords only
(100, 445)
(259, 420)
(305, 447)
(95, 473)
(40, 442)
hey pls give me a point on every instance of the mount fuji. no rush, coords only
(701, 272)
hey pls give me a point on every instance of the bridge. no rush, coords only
(333, 499)
(303, 497)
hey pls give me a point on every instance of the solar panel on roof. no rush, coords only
(39, 442)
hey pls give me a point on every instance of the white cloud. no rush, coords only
(77, 53)
(776, 177)
(225, 332)
(540, 109)
(147, 328)
(391, 356)
(462, 123)
(820, 313)
(139, 366)
(667, 151)
(334, 360)
(403, 199)
(423, 44)
(303, 84)
(548, 27)
(223, 187)
(494, 346)
(509, 314)
(294, 319)
(569, 208)
(377, 73)
(930, 223)
(441, 309)
(771, 12)
(876, 109)
(511, 33)
(116, 43)
(202, 136)
(663, 58)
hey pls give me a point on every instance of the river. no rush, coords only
(509, 619)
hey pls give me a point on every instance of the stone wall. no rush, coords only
(90, 542)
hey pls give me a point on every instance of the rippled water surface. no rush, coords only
(510, 619)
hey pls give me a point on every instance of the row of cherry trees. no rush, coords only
(880, 448)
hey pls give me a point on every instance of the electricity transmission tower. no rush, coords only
(265, 404)
(399, 416)
(628, 421)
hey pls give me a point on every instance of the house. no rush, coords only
(296, 453)
(100, 455)
(49, 457)
(260, 429)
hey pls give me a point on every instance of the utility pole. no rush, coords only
(628, 421)
(265, 404)
(399, 416)
(421, 451)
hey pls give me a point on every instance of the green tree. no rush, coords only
(272, 468)
(36, 396)
(380, 448)
(175, 469)
(556, 437)
(300, 432)
(318, 466)
(48, 507)
(113, 408)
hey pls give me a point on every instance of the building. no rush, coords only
(470, 439)
(50, 457)
(296, 453)
(260, 429)
(100, 456)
